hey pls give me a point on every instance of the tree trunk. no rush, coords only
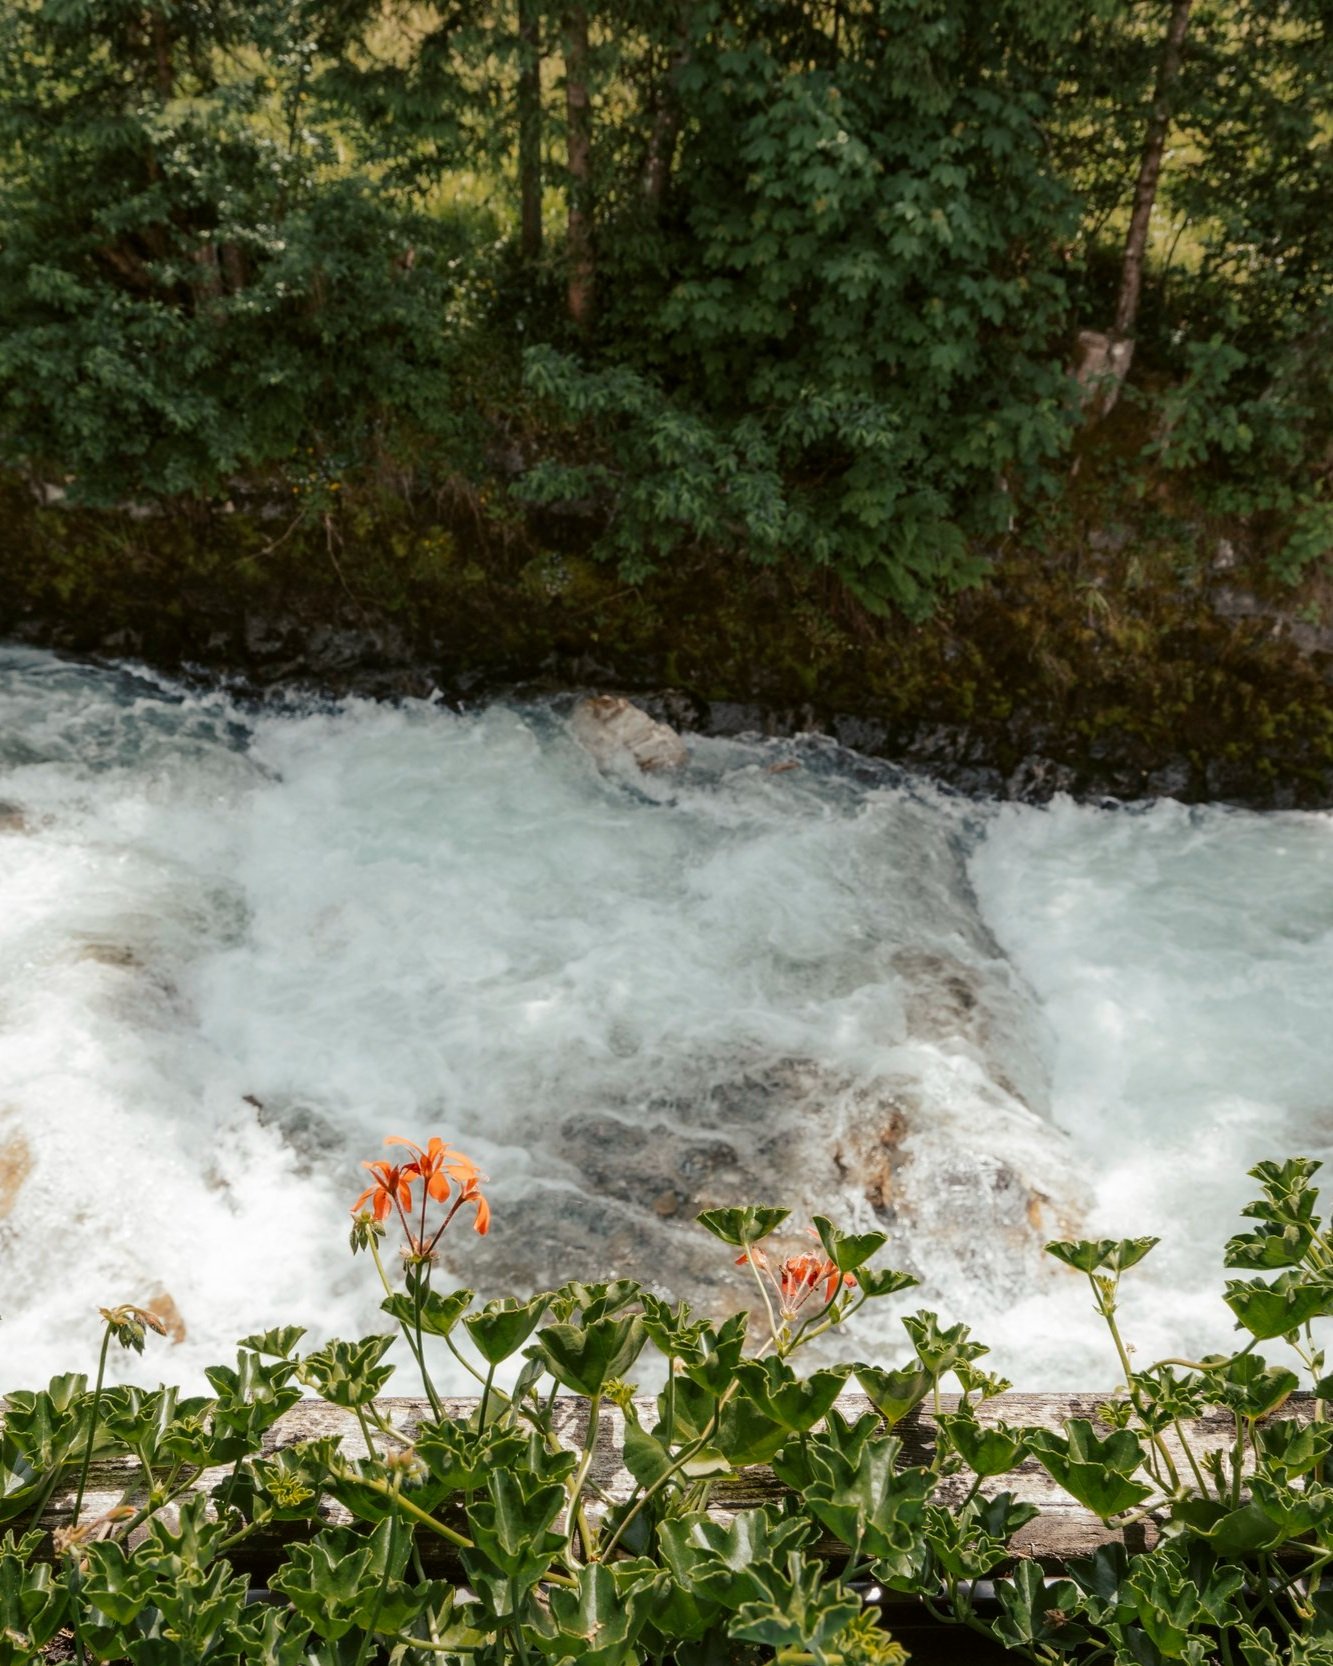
(529, 130)
(1105, 359)
(1150, 169)
(578, 118)
(163, 64)
(665, 129)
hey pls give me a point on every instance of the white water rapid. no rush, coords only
(241, 944)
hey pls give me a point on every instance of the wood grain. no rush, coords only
(1062, 1530)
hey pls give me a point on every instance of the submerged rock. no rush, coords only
(614, 730)
(162, 1304)
(15, 1165)
(967, 1192)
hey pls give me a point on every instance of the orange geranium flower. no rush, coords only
(447, 1177)
(797, 1276)
(471, 1193)
(437, 1165)
(391, 1187)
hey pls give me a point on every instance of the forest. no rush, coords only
(797, 280)
(829, 308)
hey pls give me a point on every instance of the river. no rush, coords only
(243, 942)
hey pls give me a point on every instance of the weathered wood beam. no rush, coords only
(1062, 1530)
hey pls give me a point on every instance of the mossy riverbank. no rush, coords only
(1128, 656)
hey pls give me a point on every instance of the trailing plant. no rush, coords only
(474, 1532)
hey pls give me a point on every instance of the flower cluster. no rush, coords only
(797, 1277)
(446, 1177)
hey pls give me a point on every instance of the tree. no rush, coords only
(185, 289)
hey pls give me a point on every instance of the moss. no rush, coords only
(1093, 642)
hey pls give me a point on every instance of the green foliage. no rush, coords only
(188, 288)
(264, 251)
(549, 1568)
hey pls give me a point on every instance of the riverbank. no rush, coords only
(1124, 652)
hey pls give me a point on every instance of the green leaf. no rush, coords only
(959, 1546)
(460, 1458)
(585, 1358)
(894, 1393)
(502, 1327)
(795, 1403)
(870, 1502)
(940, 1350)
(348, 1373)
(671, 1330)
(1249, 1386)
(293, 1479)
(598, 1622)
(800, 1608)
(439, 1314)
(846, 1251)
(278, 1342)
(1239, 1532)
(744, 1433)
(718, 1561)
(646, 1458)
(986, 1451)
(885, 1281)
(742, 1226)
(33, 1601)
(1102, 1578)
(1112, 1255)
(1092, 1470)
(1280, 1306)
(116, 1585)
(1037, 1611)
(588, 1302)
(713, 1361)
(335, 1580)
(511, 1525)
(1288, 1448)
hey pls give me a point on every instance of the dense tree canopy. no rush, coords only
(798, 279)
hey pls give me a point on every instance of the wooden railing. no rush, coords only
(1063, 1529)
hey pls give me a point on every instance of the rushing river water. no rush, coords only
(239, 945)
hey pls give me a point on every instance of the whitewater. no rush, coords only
(241, 942)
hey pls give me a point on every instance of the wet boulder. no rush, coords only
(614, 731)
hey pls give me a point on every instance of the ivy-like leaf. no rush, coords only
(847, 1251)
(1093, 1470)
(893, 1393)
(740, 1227)
(585, 1358)
(1279, 1306)
(439, 1314)
(348, 1373)
(502, 1327)
(1112, 1255)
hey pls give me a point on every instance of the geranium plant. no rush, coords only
(476, 1533)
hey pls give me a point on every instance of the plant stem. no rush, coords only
(365, 1432)
(413, 1341)
(92, 1427)
(578, 1522)
(763, 1294)
(420, 1290)
(682, 1458)
(369, 1630)
(1188, 1450)
(423, 1516)
(1171, 1478)
(465, 1363)
(435, 1647)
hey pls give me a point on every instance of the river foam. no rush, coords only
(240, 944)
